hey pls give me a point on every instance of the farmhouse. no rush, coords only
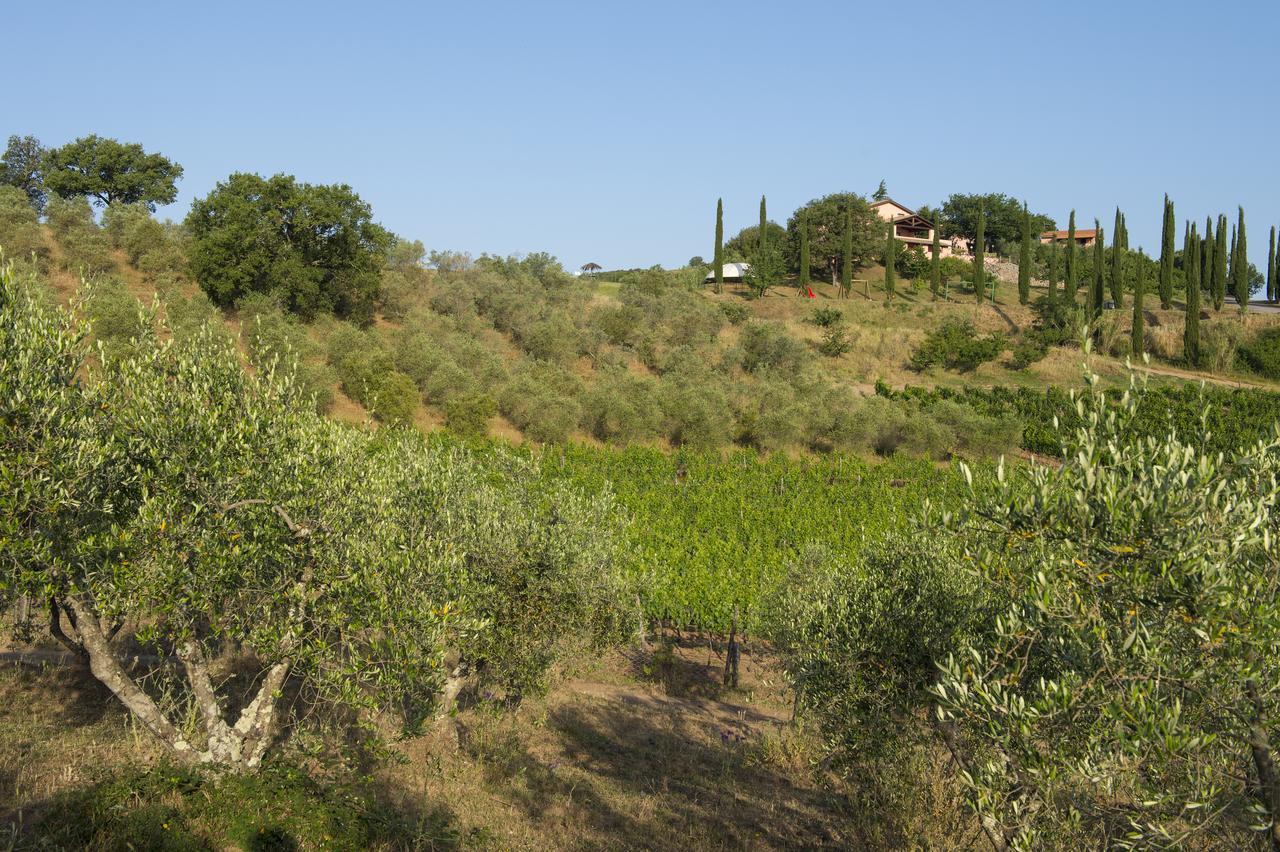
(909, 227)
(1084, 239)
(733, 272)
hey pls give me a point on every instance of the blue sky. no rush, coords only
(605, 131)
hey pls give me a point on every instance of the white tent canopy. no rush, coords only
(731, 271)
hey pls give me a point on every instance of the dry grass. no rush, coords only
(633, 750)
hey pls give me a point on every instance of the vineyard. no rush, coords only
(1213, 419)
(711, 535)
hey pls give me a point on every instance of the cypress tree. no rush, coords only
(1124, 232)
(1024, 259)
(1240, 265)
(935, 270)
(1072, 279)
(1191, 327)
(719, 253)
(1166, 255)
(1271, 267)
(1098, 294)
(1051, 296)
(1231, 268)
(804, 254)
(1208, 243)
(846, 245)
(762, 239)
(979, 286)
(890, 262)
(1219, 286)
(1137, 339)
(1117, 252)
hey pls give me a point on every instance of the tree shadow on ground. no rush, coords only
(653, 775)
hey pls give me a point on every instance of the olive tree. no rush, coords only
(175, 498)
(1129, 692)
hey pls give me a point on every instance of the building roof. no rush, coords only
(884, 201)
(1062, 235)
(731, 270)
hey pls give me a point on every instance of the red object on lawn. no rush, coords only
(811, 296)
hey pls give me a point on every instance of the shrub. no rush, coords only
(956, 345)
(886, 427)
(621, 408)
(1029, 349)
(695, 411)
(541, 400)
(395, 398)
(85, 249)
(826, 317)
(977, 434)
(736, 314)
(1261, 354)
(20, 235)
(554, 338)
(859, 640)
(618, 323)
(1220, 341)
(276, 338)
(115, 316)
(956, 268)
(767, 346)
(913, 263)
(468, 413)
(835, 342)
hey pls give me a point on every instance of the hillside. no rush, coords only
(520, 351)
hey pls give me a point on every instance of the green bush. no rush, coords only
(1029, 349)
(736, 314)
(1261, 354)
(86, 250)
(469, 413)
(20, 235)
(276, 338)
(621, 408)
(541, 400)
(913, 263)
(395, 399)
(826, 317)
(835, 342)
(767, 346)
(695, 411)
(116, 317)
(859, 640)
(956, 268)
(1220, 342)
(956, 345)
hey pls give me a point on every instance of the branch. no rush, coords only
(106, 667)
(298, 530)
(55, 628)
(197, 668)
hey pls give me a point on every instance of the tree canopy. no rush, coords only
(21, 167)
(746, 242)
(315, 247)
(826, 219)
(1002, 217)
(109, 171)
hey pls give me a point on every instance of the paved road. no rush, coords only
(1255, 305)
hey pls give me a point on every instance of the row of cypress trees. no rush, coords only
(1207, 262)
